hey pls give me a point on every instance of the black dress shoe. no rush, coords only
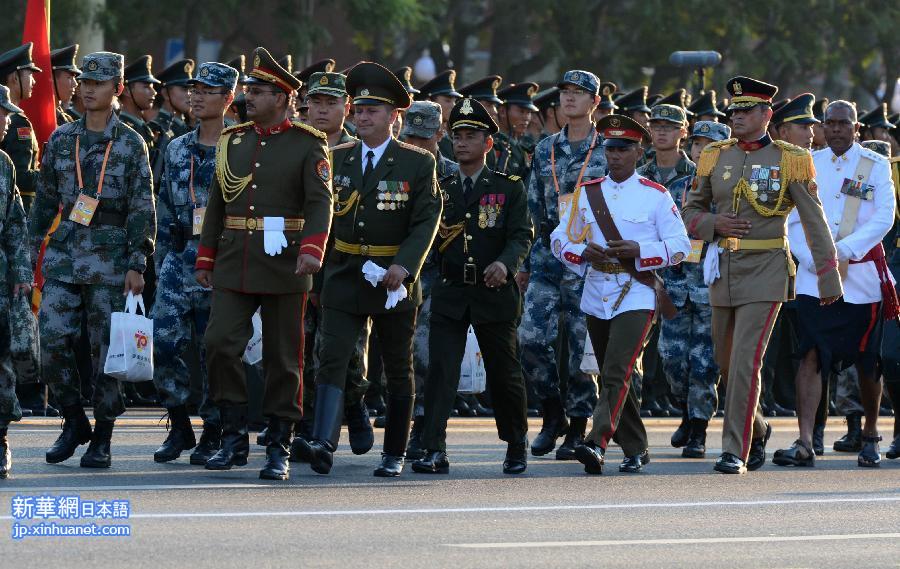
(852, 441)
(76, 431)
(181, 436)
(757, 456)
(781, 411)
(893, 451)
(818, 440)
(554, 426)
(730, 464)
(477, 408)
(277, 453)
(631, 464)
(463, 407)
(210, 443)
(5, 455)
(869, 456)
(696, 444)
(391, 466)
(27, 413)
(98, 454)
(798, 455)
(434, 462)
(591, 457)
(359, 427)
(656, 409)
(380, 421)
(683, 433)
(574, 438)
(516, 460)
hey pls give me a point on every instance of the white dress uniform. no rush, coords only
(643, 211)
(874, 220)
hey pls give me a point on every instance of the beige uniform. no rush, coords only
(761, 184)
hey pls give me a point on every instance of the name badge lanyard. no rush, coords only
(564, 201)
(102, 167)
(86, 206)
(198, 212)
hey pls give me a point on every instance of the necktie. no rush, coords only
(370, 156)
(467, 188)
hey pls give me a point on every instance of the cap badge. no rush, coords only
(204, 72)
(606, 90)
(736, 87)
(407, 74)
(531, 91)
(92, 65)
(614, 122)
(704, 128)
(256, 60)
(576, 76)
(323, 80)
(417, 120)
(664, 112)
(496, 84)
(466, 108)
(188, 67)
(364, 93)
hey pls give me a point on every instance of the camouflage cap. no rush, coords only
(5, 103)
(216, 75)
(327, 83)
(102, 66)
(669, 113)
(584, 79)
(714, 131)
(423, 120)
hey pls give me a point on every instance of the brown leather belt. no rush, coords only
(258, 223)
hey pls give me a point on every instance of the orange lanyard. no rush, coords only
(583, 166)
(191, 183)
(102, 168)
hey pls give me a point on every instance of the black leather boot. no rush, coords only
(300, 444)
(98, 454)
(574, 437)
(278, 452)
(516, 460)
(359, 428)
(235, 439)
(591, 456)
(414, 450)
(683, 432)
(5, 455)
(696, 443)
(852, 441)
(319, 453)
(181, 436)
(76, 431)
(554, 426)
(396, 435)
(210, 443)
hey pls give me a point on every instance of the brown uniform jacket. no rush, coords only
(286, 174)
(765, 275)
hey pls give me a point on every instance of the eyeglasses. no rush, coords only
(257, 91)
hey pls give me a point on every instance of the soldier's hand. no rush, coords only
(307, 265)
(134, 283)
(21, 288)
(203, 278)
(394, 277)
(495, 274)
(623, 249)
(730, 225)
(828, 300)
(595, 254)
(522, 279)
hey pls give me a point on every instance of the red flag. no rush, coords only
(41, 107)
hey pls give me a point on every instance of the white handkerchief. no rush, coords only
(373, 273)
(711, 264)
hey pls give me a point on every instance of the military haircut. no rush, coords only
(842, 104)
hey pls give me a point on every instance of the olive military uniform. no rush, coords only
(20, 143)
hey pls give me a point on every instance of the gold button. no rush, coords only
(468, 216)
(362, 224)
(605, 299)
(257, 164)
(250, 233)
(252, 207)
(361, 206)
(263, 143)
(471, 260)
(468, 237)
(361, 239)
(254, 185)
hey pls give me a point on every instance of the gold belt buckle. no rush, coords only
(733, 244)
(251, 223)
(364, 250)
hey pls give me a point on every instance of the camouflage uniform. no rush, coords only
(15, 267)
(85, 267)
(552, 290)
(685, 342)
(181, 304)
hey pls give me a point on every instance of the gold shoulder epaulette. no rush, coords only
(796, 163)
(237, 127)
(710, 155)
(415, 148)
(344, 146)
(311, 130)
(510, 177)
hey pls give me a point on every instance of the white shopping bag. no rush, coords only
(472, 377)
(253, 354)
(130, 353)
(589, 361)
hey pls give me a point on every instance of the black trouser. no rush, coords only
(498, 343)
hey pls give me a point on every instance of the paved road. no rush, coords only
(678, 513)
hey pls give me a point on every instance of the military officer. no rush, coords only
(607, 106)
(819, 141)
(634, 105)
(64, 84)
(794, 121)
(485, 92)
(858, 198)
(704, 108)
(442, 90)
(20, 144)
(174, 98)
(561, 163)
(386, 215)
(514, 148)
(182, 305)
(753, 183)
(615, 233)
(95, 171)
(547, 101)
(329, 106)
(305, 75)
(263, 237)
(485, 233)
(138, 97)
(875, 124)
(15, 280)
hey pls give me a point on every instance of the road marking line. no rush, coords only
(486, 509)
(685, 541)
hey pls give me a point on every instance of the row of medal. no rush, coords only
(489, 209)
(764, 180)
(392, 195)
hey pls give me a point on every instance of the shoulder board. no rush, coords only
(237, 127)
(872, 155)
(727, 143)
(792, 148)
(344, 146)
(310, 130)
(710, 155)
(651, 184)
(414, 148)
(594, 181)
(510, 177)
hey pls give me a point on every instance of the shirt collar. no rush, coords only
(764, 141)
(634, 176)
(475, 177)
(280, 127)
(379, 152)
(846, 156)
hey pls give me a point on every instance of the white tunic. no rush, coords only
(874, 219)
(643, 211)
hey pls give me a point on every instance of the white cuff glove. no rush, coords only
(274, 240)
(374, 274)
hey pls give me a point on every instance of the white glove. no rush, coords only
(395, 296)
(274, 240)
(374, 274)
(711, 264)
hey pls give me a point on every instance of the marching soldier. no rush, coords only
(15, 280)
(64, 83)
(95, 171)
(174, 99)
(561, 163)
(20, 144)
(513, 147)
(182, 305)
(263, 237)
(385, 219)
(441, 90)
(485, 233)
(753, 183)
(616, 232)
(858, 198)
(138, 98)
